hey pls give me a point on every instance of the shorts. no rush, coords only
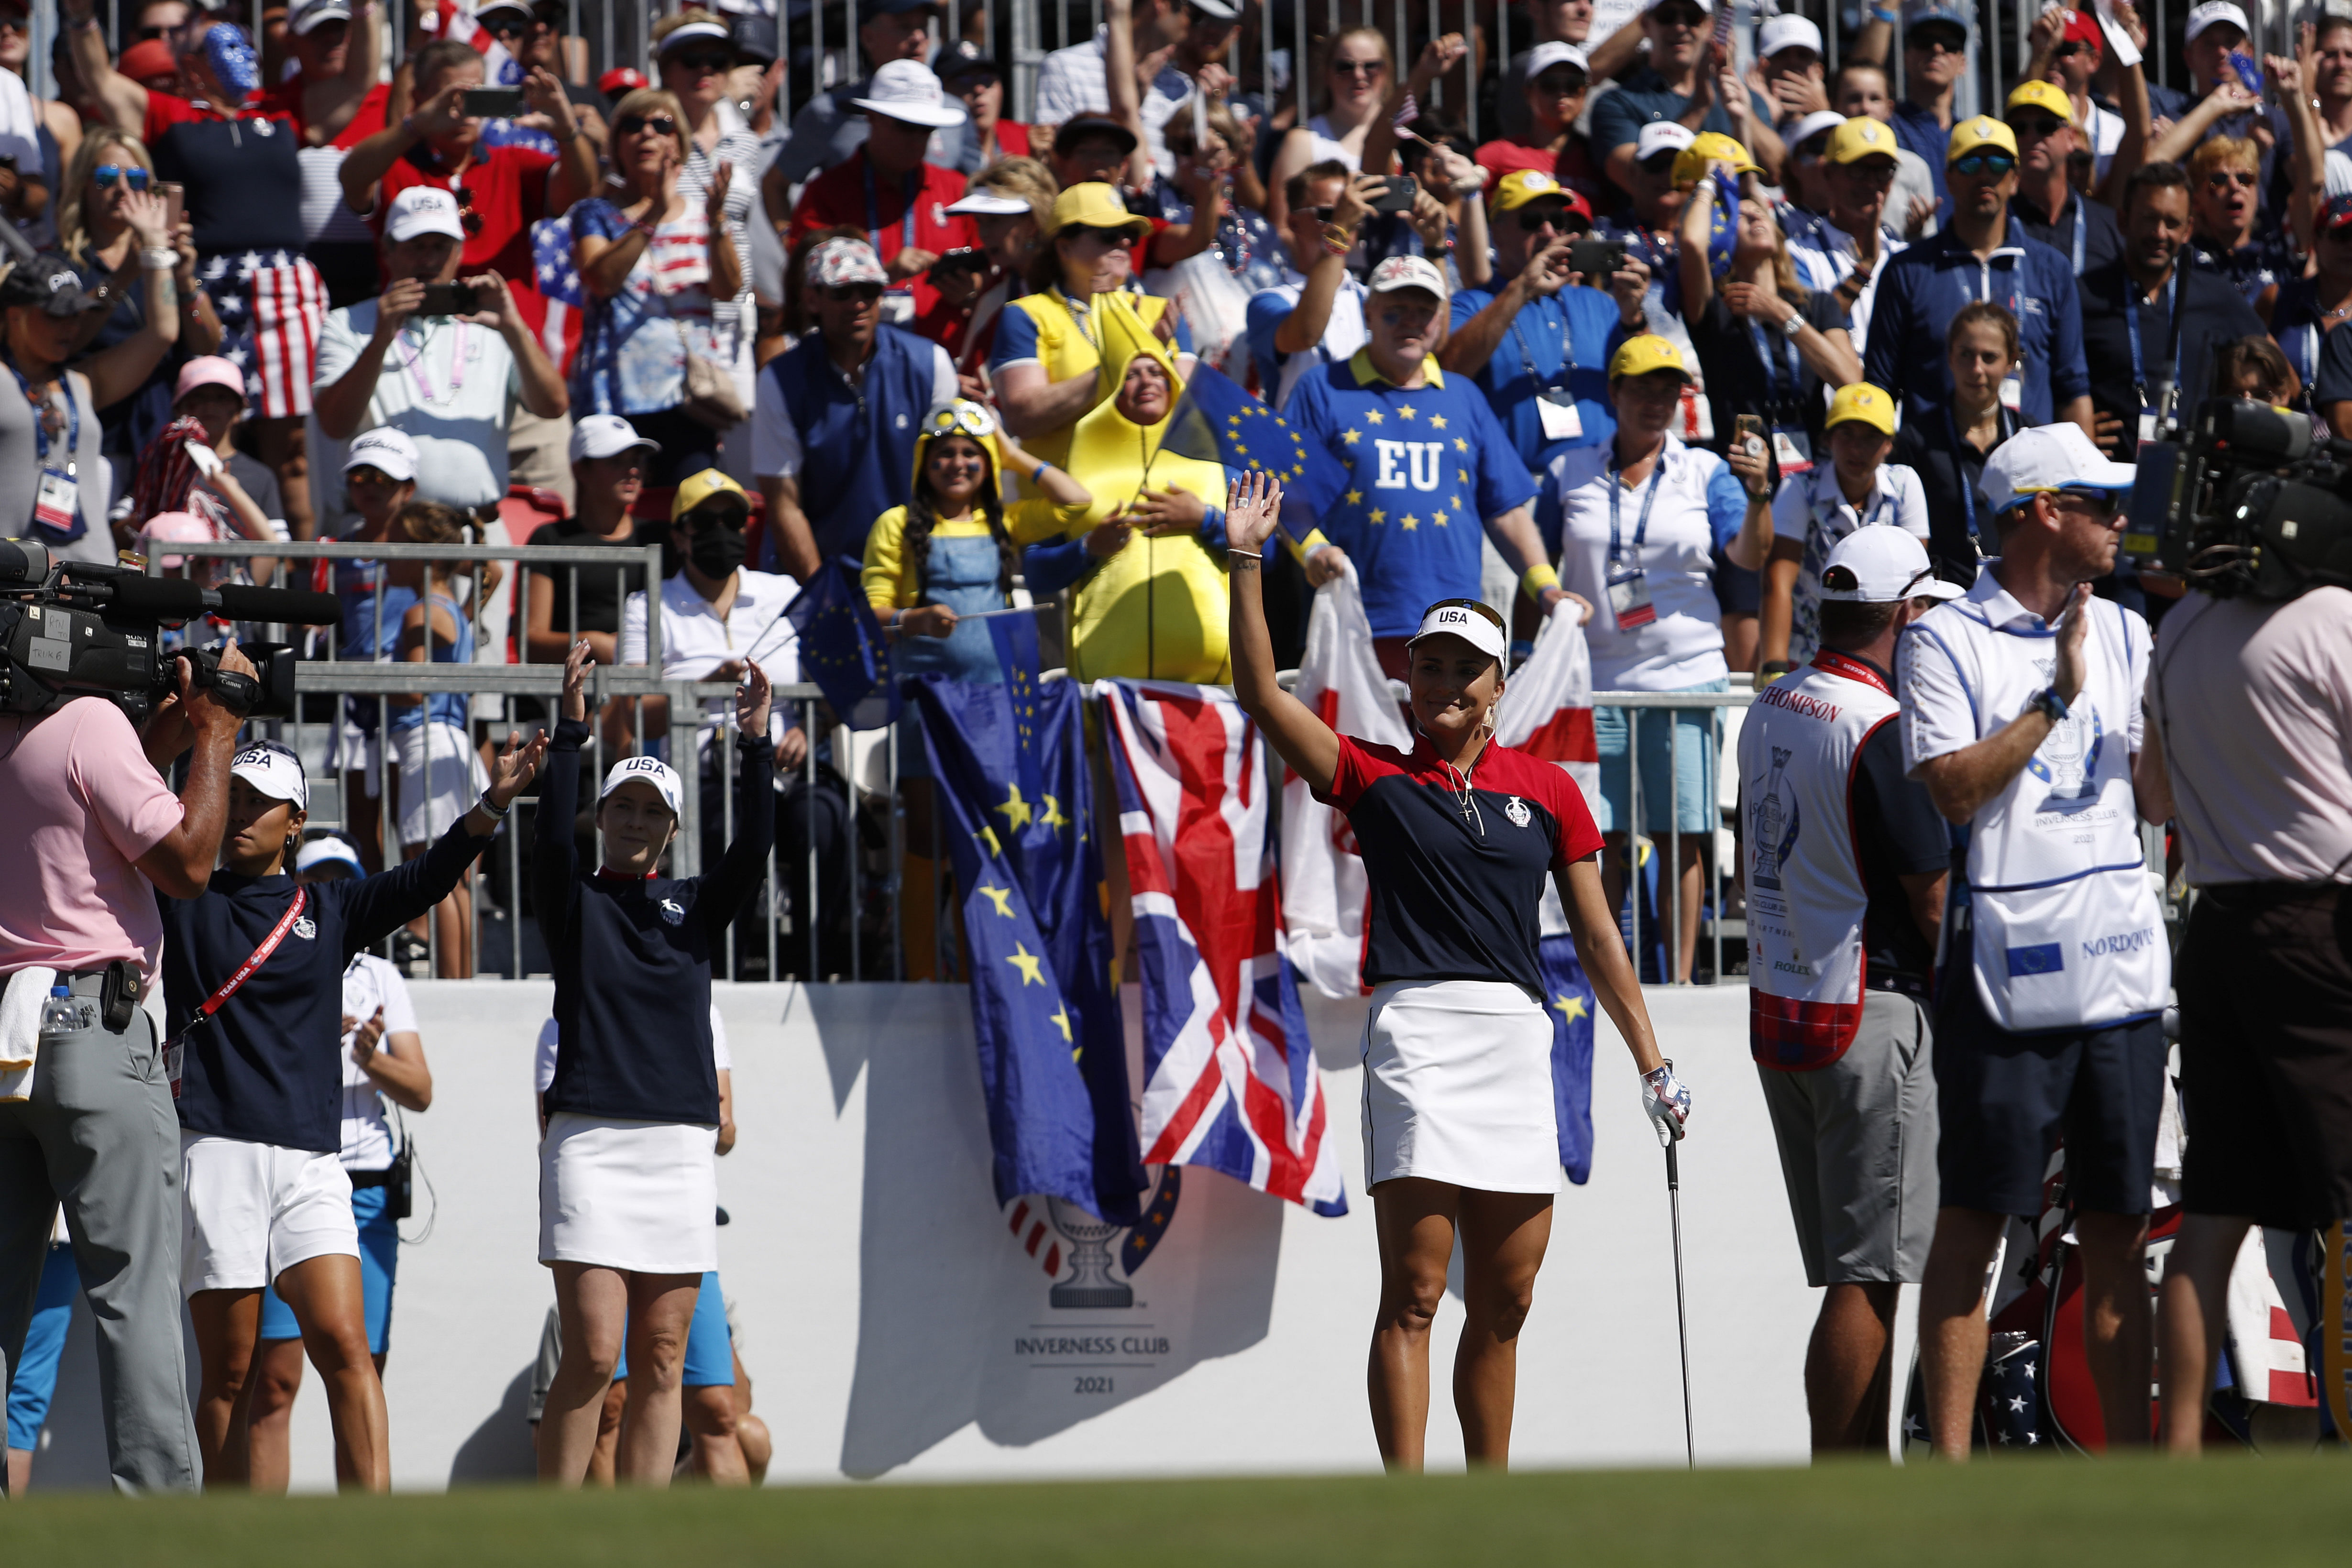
(636, 1196)
(2265, 983)
(1858, 1148)
(379, 1261)
(2004, 1100)
(250, 1211)
(441, 777)
(1738, 590)
(33, 1382)
(1457, 1087)
(272, 305)
(1690, 760)
(710, 1348)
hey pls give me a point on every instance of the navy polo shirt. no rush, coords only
(1921, 290)
(2090, 224)
(632, 954)
(1919, 131)
(1563, 341)
(1425, 469)
(268, 1067)
(2213, 314)
(1457, 889)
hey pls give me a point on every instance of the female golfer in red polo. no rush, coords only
(1457, 836)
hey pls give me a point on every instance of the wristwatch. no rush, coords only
(2051, 705)
(1793, 324)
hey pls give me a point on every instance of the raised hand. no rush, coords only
(514, 767)
(2073, 629)
(575, 679)
(365, 1037)
(752, 698)
(1253, 506)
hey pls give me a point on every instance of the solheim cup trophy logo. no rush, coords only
(1089, 1285)
(1768, 819)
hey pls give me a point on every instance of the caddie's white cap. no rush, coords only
(1407, 272)
(2048, 457)
(329, 850)
(275, 771)
(981, 202)
(1881, 564)
(650, 770)
(907, 90)
(386, 450)
(2203, 17)
(1474, 623)
(595, 435)
(1788, 31)
(1543, 57)
(423, 210)
(1662, 136)
(1650, 6)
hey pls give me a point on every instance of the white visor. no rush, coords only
(1475, 624)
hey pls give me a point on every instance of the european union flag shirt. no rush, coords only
(1426, 467)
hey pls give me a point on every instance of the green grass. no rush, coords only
(2226, 1513)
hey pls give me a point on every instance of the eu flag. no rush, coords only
(1217, 421)
(1568, 997)
(1053, 1056)
(843, 649)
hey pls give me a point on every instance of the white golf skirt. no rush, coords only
(1457, 1087)
(640, 1196)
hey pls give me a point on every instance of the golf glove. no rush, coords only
(1668, 1099)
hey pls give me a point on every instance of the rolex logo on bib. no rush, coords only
(1516, 810)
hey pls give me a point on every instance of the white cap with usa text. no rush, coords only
(1472, 622)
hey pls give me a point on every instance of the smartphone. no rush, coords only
(2250, 75)
(175, 201)
(491, 102)
(964, 259)
(1588, 255)
(1398, 197)
(1746, 428)
(448, 299)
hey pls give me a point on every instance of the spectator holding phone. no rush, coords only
(1010, 205)
(443, 361)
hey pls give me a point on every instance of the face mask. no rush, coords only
(233, 60)
(717, 552)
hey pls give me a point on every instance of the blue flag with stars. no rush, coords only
(1217, 421)
(841, 647)
(1568, 997)
(1053, 1054)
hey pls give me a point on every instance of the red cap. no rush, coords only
(149, 60)
(621, 78)
(2083, 27)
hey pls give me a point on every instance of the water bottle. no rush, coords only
(61, 1016)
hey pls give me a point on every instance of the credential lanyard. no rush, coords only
(1772, 364)
(913, 190)
(1961, 450)
(228, 987)
(2131, 326)
(415, 360)
(1527, 359)
(1642, 526)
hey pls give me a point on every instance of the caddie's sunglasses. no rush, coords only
(1993, 163)
(660, 124)
(106, 174)
(467, 218)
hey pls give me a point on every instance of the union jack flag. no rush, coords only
(1230, 1080)
(559, 285)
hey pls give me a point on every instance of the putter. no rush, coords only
(1682, 1320)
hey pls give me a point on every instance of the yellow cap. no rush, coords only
(1859, 138)
(1864, 403)
(1640, 356)
(1712, 147)
(1096, 206)
(1521, 186)
(697, 489)
(2042, 95)
(1977, 133)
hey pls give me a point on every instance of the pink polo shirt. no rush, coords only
(79, 805)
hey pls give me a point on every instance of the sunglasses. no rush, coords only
(732, 518)
(1565, 85)
(2222, 179)
(660, 124)
(373, 478)
(1357, 67)
(1679, 17)
(2102, 502)
(843, 293)
(2035, 125)
(1535, 219)
(147, 33)
(703, 59)
(1660, 162)
(106, 174)
(1938, 44)
(2068, 51)
(1993, 163)
(467, 218)
(1871, 170)
(508, 27)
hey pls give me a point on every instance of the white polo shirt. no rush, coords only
(370, 983)
(1683, 646)
(1812, 510)
(696, 641)
(450, 386)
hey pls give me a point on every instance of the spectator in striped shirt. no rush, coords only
(695, 53)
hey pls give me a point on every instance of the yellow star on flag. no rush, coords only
(1377, 515)
(1352, 436)
(1410, 522)
(1407, 412)
(1437, 422)
(1460, 445)
(1000, 896)
(1462, 476)
(1016, 811)
(988, 836)
(1053, 817)
(1062, 1023)
(1570, 1007)
(1355, 497)
(1372, 416)
(1028, 963)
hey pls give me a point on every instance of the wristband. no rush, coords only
(160, 259)
(1038, 472)
(1883, 14)
(2051, 705)
(494, 812)
(1244, 555)
(1535, 578)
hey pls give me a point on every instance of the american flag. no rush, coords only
(559, 285)
(1230, 1080)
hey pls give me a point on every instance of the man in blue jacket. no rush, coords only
(1981, 255)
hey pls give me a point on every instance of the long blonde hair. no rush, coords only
(72, 234)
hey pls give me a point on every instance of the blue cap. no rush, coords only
(1917, 17)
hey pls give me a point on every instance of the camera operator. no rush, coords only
(2250, 703)
(94, 835)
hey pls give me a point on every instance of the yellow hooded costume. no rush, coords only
(1157, 610)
